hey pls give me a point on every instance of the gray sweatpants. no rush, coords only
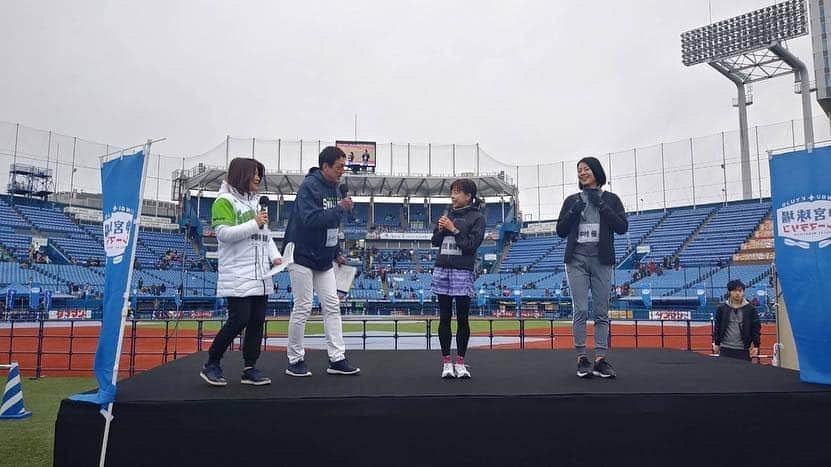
(584, 273)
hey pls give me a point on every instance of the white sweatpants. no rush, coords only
(303, 281)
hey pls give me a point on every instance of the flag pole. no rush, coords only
(108, 413)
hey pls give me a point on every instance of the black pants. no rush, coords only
(446, 315)
(243, 313)
(734, 353)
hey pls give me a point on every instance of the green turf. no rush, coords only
(29, 442)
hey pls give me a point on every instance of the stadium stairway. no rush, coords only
(694, 234)
(758, 248)
(630, 256)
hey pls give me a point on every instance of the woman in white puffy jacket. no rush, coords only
(246, 253)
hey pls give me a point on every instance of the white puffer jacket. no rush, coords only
(245, 250)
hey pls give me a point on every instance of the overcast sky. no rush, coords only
(531, 81)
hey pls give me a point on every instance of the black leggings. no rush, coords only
(446, 315)
(243, 313)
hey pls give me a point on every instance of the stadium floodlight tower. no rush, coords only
(750, 48)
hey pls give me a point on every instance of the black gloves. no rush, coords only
(594, 197)
(577, 208)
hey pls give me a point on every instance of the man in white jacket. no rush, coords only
(246, 253)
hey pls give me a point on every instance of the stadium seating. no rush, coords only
(724, 233)
(534, 265)
(673, 231)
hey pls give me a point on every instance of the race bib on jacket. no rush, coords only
(449, 246)
(331, 237)
(588, 233)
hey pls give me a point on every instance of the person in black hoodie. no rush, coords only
(313, 227)
(458, 234)
(737, 330)
(589, 219)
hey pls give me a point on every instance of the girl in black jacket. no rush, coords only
(458, 235)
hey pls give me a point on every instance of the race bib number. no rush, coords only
(588, 233)
(449, 247)
(331, 237)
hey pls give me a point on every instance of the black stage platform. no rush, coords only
(521, 408)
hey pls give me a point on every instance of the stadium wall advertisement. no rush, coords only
(70, 314)
(801, 200)
(661, 315)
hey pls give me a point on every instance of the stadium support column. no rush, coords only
(637, 196)
(758, 162)
(72, 171)
(744, 144)
(502, 205)
(692, 171)
(301, 156)
(14, 161)
(747, 184)
(49, 154)
(801, 72)
(477, 159)
(663, 178)
(408, 159)
(454, 159)
(429, 159)
(610, 173)
(539, 195)
(227, 150)
(279, 150)
(724, 166)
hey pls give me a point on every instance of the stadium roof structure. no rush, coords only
(287, 182)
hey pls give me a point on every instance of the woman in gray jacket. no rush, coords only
(246, 253)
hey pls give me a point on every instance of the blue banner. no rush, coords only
(482, 298)
(646, 296)
(34, 297)
(801, 198)
(121, 184)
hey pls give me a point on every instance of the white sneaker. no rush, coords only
(447, 371)
(461, 371)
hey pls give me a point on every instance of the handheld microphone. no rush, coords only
(446, 212)
(344, 193)
(264, 207)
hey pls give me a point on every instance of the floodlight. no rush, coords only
(748, 48)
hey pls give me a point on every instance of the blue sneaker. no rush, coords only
(298, 369)
(341, 367)
(212, 374)
(254, 376)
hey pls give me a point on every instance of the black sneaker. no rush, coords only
(298, 369)
(603, 369)
(212, 374)
(255, 377)
(341, 367)
(584, 367)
